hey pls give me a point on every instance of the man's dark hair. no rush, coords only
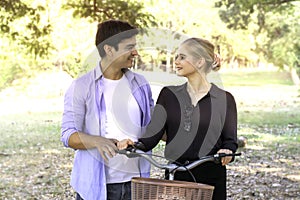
(112, 32)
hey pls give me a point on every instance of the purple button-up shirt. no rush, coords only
(84, 111)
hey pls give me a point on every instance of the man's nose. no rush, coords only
(134, 52)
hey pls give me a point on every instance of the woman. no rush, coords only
(197, 117)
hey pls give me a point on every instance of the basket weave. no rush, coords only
(152, 189)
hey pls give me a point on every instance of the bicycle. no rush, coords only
(153, 188)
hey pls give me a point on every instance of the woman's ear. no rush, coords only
(200, 63)
(108, 49)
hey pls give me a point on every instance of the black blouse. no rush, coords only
(192, 131)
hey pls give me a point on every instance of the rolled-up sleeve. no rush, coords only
(73, 114)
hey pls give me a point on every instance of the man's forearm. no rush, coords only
(106, 147)
(80, 140)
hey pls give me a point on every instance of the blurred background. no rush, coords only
(58, 35)
(45, 44)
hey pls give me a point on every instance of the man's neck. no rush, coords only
(110, 71)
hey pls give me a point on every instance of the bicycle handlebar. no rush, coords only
(132, 152)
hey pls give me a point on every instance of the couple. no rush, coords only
(111, 104)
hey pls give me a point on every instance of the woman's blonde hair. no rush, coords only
(200, 48)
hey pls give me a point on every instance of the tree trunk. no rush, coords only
(295, 76)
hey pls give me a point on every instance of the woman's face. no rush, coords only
(185, 64)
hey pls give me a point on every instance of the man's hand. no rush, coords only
(227, 159)
(106, 147)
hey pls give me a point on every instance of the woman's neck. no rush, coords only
(197, 87)
(198, 83)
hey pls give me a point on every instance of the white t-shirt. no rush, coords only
(123, 119)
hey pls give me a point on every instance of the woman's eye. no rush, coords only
(180, 57)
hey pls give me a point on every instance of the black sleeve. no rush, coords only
(156, 128)
(229, 132)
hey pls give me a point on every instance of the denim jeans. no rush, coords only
(116, 191)
(119, 191)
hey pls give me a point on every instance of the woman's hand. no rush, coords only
(123, 144)
(227, 159)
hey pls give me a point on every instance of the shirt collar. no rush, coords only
(99, 73)
(213, 92)
(129, 75)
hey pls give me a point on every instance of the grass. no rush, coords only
(271, 136)
(261, 118)
(33, 162)
(255, 78)
(25, 131)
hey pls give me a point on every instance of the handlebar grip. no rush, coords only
(135, 146)
(221, 155)
(140, 146)
(129, 148)
(218, 156)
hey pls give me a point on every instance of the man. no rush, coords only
(106, 105)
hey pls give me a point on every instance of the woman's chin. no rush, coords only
(179, 73)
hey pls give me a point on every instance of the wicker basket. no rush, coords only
(152, 189)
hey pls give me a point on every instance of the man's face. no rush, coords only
(124, 56)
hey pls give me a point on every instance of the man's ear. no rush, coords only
(108, 49)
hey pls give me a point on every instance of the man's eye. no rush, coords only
(129, 48)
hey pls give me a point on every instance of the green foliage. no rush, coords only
(284, 45)
(25, 40)
(98, 10)
(37, 40)
(22, 24)
(274, 24)
(256, 78)
(40, 35)
(237, 13)
(13, 63)
(8, 73)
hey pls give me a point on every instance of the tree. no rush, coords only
(39, 35)
(98, 10)
(274, 24)
(237, 13)
(25, 40)
(31, 34)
